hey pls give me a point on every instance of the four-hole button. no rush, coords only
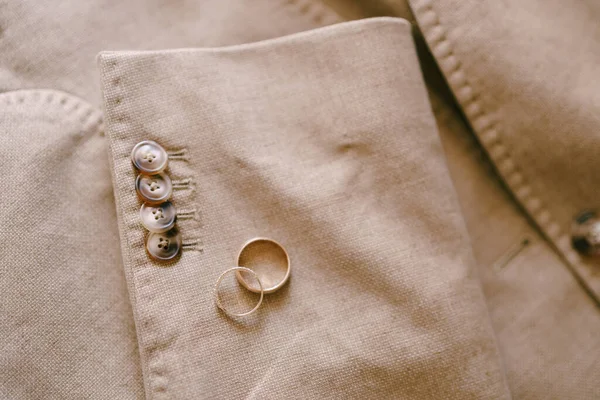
(158, 218)
(154, 189)
(149, 157)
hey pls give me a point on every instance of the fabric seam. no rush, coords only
(127, 256)
(153, 369)
(490, 134)
(90, 115)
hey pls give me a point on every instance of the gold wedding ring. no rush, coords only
(268, 260)
(218, 298)
(263, 266)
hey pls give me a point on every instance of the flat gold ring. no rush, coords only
(269, 287)
(218, 284)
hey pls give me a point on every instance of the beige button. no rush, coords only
(158, 218)
(149, 157)
(164, 246)
(154, 189)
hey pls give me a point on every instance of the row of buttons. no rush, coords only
(154, 187)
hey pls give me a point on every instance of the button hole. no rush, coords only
(153, 185)
(163, 244)
(511, 253)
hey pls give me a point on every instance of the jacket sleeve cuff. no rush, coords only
(324, 141)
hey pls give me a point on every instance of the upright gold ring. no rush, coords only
(268, 260)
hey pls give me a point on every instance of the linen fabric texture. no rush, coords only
(338, 158)
(67, 329)
(329, 141)
(523, 76)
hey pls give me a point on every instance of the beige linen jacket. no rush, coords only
(422, 169)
